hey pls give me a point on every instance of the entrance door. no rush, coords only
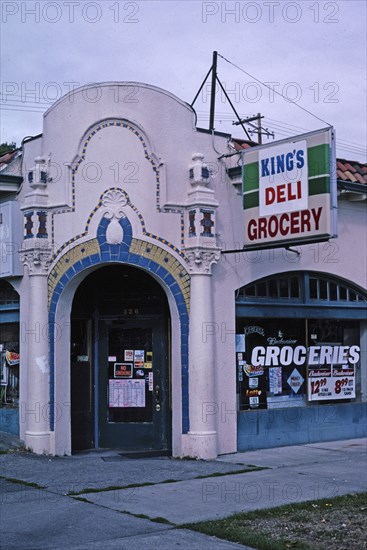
(82, 417)
(120, 361)
(133, 397)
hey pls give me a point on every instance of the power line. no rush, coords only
(285, 132)
(286, 129)
(38, 107)
(15, 100)
(283, 96)
(21, 110)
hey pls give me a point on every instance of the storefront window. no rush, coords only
(296, 362)
(283, 383)
(9, 364)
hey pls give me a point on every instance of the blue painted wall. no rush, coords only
(9, 421)
(294, 426)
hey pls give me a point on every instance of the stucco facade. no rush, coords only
(121, 176)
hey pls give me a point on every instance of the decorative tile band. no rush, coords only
(207, 223)
(28, 225)
(76, 254)
(42, 225)
(141, 219)
(163, 258)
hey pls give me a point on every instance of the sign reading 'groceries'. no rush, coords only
(288, 190)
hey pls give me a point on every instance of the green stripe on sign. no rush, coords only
(251, 200)
(318, 160)
(319, 186)
(251, 176)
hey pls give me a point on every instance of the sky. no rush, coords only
(310, 52)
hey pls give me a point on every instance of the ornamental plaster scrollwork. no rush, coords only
(201, 260)
(114, 201)
(37, 260)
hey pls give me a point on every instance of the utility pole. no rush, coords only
(257, 129)
(215, 79)
(212, 97)
(259, 134)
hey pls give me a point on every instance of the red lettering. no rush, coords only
(280, 192)
(262, 228)
(273, 226)
(299, 190)
(316, 216)
(290, 196)
(305, 220)
(284, 230)
(269, 195)
(251, 230)
(284, 224)
(295, 222)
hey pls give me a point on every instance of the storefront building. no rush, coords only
(124, 323)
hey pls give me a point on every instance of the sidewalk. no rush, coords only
(163, 490)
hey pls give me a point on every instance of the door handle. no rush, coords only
(157, 391)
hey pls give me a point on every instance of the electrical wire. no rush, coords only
(25, 110)
(283, 96)
(285, 129)
(281, 127)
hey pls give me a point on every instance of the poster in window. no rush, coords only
(331, 383)
(253, 385)
(126, 393)
(139, 357)
(148, 360)
(129, 355)
(275, 380)
(123, 370)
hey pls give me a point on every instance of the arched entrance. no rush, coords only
(120, 362)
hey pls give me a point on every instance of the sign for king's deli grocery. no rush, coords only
(289, 191)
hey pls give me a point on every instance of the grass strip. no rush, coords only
(157, 519)
(21, 482)
(336, 523)
(147, 483)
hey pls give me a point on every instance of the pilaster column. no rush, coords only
(35, 412)
(35, 254)
(203, 432)
(201, 252)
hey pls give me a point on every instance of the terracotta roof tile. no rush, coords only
(237, 146)
(349, 167)
(359, 169)
(340, 165)
(361, 179)
(341, 175)
(350, 176)
(8, 157)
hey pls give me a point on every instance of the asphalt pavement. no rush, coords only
(102, 499)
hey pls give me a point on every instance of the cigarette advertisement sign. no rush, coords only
(253, 384)
(289, 191)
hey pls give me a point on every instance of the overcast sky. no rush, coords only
(312, 52)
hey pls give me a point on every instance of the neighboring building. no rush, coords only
(134, 330)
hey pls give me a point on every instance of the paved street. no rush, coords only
(167, 492)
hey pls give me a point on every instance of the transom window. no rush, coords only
(7, 294)
(305, 287)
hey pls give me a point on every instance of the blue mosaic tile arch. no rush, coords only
(134, 252)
